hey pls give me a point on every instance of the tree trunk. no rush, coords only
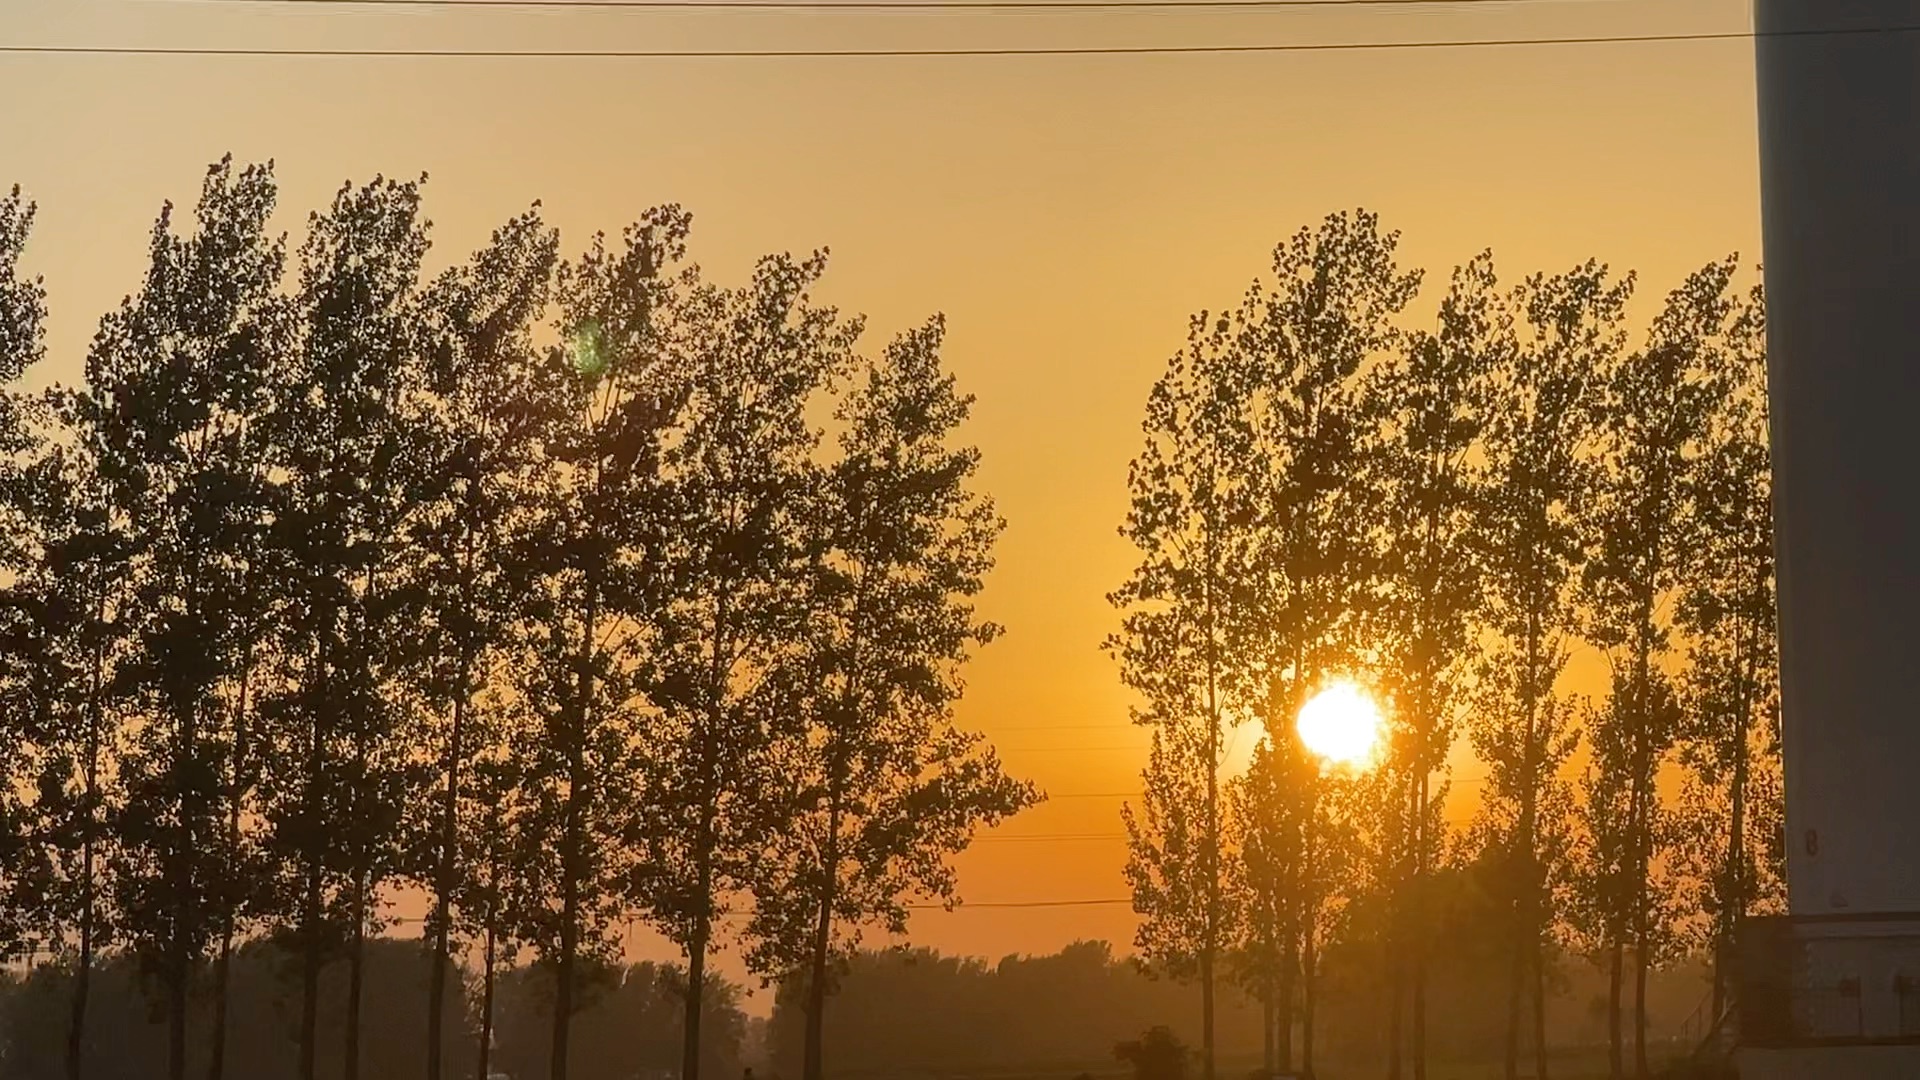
(223, 964)
(1308, 963)
(1267, 1066)
(443, 882)
(1309, 930)
(310, 970)
(813, 1054)
(222, 980)
(574, 840)
(1539, 1011)
(486, 1007)
(180, 936)
(83, 974)
(1206, 1014)
(1420, 929)
(1640, 1067)
(696, 995)
(1616, 963)
(1283, 1008)
(1516, 990)
(356, 974)
(311, 858)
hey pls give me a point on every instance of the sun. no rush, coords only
(1341, 725)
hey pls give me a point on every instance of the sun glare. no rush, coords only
(1340, 724)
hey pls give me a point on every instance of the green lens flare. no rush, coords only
(589, 348)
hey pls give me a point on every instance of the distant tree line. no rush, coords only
(1444, 513)
(917, 1012)
(628, 1021)
(566, 592)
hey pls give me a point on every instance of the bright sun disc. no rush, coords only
(1340, 724)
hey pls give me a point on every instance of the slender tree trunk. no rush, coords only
(814, 1050)
(443, 880)
(356, 974)
(1539, 1011)
(574, 840)
(1616, 963)
(83, 975)
(1640, 1067)
(1206, 1013)
(1309, 922)
(1735, 872)
(706, 840)
(486, 1006)
(1418, 895)
(1267, 1066)
(180, 936)
(222, 975)
(1642, 823)
(1526, 849)
(696, 995)
(311, 852)
(310, 970)
(1397, 965)
(1283, 1008)
(1309, 933)
(223, 964)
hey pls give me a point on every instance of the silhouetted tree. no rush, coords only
(886, 788)
(487, 389)
(629, 1022)
(593, 589)
(1328, 320)
(175, 380)
(1186, 519)
(44, 635)
(1726, 612)
(1430, 400)
(1654, 410)
(335, 783)
(740, 478)
(1569, 331)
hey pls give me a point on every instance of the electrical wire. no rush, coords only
(291, 52)
(1067, 50)
(894, 5)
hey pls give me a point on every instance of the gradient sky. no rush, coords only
(1066, 213)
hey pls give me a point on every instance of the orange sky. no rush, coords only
(1066, 213)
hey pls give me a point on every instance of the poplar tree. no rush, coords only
(1328, 320)
(175, 379)
(335, 786)
(885, 786)
(1569, 331)
(1730, 692)
(595, 569)
(1429, 400)
(486, 391)
(1186, 521)
(740, 469)
(1655, 406)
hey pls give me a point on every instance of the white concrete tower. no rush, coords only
(1839, 96)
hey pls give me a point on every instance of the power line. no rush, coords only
(797, 54)
(893, 5)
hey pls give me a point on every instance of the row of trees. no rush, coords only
(628, 1022)
(538, 585)
(1444, 515)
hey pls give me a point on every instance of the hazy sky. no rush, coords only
(1067, 214)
